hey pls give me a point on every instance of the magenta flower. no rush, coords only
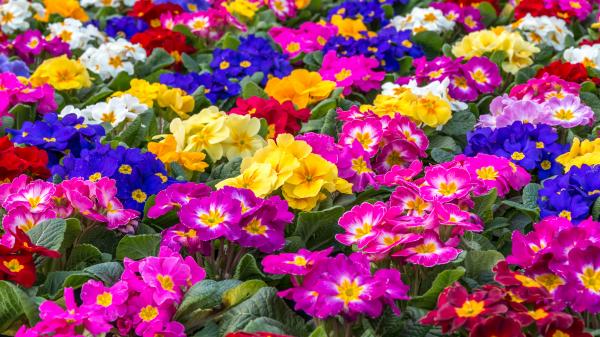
(176, 196)
(264, 227)
(354, 165)
(543, 88)
(36, 197)
(110, 210)
(445, 184)
(298, 263)
(583, 279)
(396, 153)
(165, 329)
(401, 127)
(429, 251)
(437, 69)
(22, 218)
(367, 132)
(482, 74)
(180, 236)
(461, 89)
(360, 223)
(110, 301)
(491, 171)
(355, 72)
(213, 216)
(144, 312)
(166, 276)
(309, 37)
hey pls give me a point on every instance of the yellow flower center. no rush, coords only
(109, 117)
(212, 218)
(479, 76)
(447, 189)
(435, 74)
(223, 65)
(66, 35)
(115, 61)
(546, 164)
(517, 155)
(539, 145)
(95, 177)
(565, 214)
(292, 47)
(527, 281)
(425, 248)
(407, 44)
(591, 279)
(148, 313)
(470, 308)
(255, 227)
(430, 17)
(364, 230)
(125, 169)
(139, 195)
(549, 281)
(343, 74)
(359, 165)
(13, 265)
(299, 261)
(49, 140)
(538, 314)
(34, 201)
(418, 205)
(245, 64)
(7, 17)
(34, 42)
(349, 291)
(564, 114)
(105, 299)
(487, 173)
(364, 139)
(166, 282)
(394, 158)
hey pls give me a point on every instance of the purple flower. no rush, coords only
(482, 74)
(176, 195)
(568, 112)
(298, 263)
(354, 165)
(213, 216)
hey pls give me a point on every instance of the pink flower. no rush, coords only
(35, 197)
(445, 184)
(145, 312)
(355, 72)
(396, 153)
(22, 218)
(110, 301)
(491, 171)
(298, 263)
(429, 252)
(176, 196)
(401, 127)
(309, 37)
(360, 223)
(166, 276)
(213, 216)
(569, 112)
(367, 132)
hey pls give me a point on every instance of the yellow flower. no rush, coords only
(244, 8)
(432, 110)
(243, 139)
(301, 87)
(402, 104)
(519, 52)
(260, 178)
(313, 174)
(177, 100)
(301, 4)
(201, 132)
(64, 8)
(145, 91)
(582, 153)
(62, 74)
(167, 151)
(349, 27)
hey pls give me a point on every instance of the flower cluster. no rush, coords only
(113, 57)
(423, 19)
(216, 88)
(28, 203)
(61, 73)
(77, 34)
(308, 38)
(15, 92)
(16, 15)
(467, 16)
(231, 214)
(143, 301)
(351, 73)
(32, 45)
(518, 51)
(527, 145)
(301, 87)
(582, 152)
(547, 30)
(58, 136)
(291, 165)
(564, 9)
(114, 111)
(341, 285)
(587, 55)
(21, 160)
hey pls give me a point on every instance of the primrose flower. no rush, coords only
(35, 197)
(111, 301)
(446, 184)
(581, 153)
(429, 251)
(61, 73)
(213, 216)
(167, 276)
(243, 140)
(569, 112)
(301, 87)
(423, 19)
(361, 223)
(354, 72)
(298, 263)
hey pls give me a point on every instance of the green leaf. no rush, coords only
(484, 204)
(431, 42)
(460, 123)
(592, 101)
(22, 113)
(190, 64)
(488, 13)
(120, 82)
(265, 303)
(159, 59)
(312, 61)
(228, 41)
(330, 123)
(318, 228)
(318, 332)
(98, 95)
(251, 89)
(530, 195)
(479, 264)
(140, 130)
(83, 255)
(476, 241)
(247, 268)
(224, 171)
(596, 209)
(242, 292)
(138, 246)
(441, 155)
(588, 86)
(108, 272)
(15, 305)
(429, 299)
(321, 109)
(55, 234)
(265, 324)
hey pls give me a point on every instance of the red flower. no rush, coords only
(150, 12)
(281, 117)
(572, 72)
(253, 334)
(16, 258)
(541, 8)
(474, 3)
(497, 326)
(574, 330)
(456, 308)
(172, 42)
(18, 160)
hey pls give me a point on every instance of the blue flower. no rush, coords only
(124, 26)
(58, 136)
(218, 88)
(16, 67)
(138, 174)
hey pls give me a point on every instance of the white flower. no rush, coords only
(437, 88)
(14, 15)
(551, 31)
(423, 19)
(588, 55)
(114, 111)
(75, 33)
(112, 57)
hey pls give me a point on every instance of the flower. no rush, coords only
(281, 117)
(111, 301)
(301, 87)
(497, 326)
(487, 41)
(423, 19)
(581, 153)
(61, 73)
(355, 72)
(213, 216)
(569, 112)
(66, 9)
(298, 263)
(177, 100)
